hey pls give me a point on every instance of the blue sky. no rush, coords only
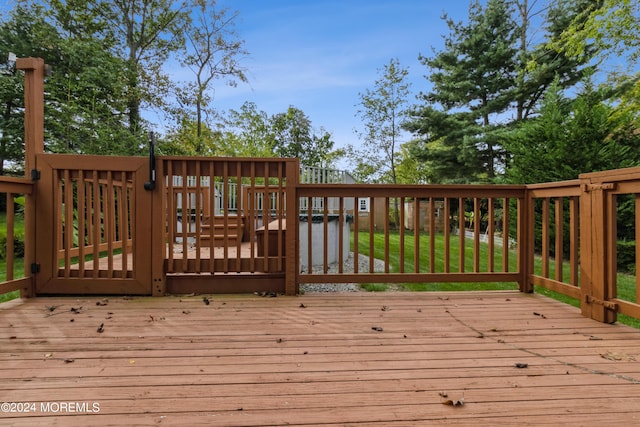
(319, 55)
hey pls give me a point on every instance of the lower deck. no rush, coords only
(467, 358)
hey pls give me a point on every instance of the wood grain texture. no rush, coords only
(316, 359)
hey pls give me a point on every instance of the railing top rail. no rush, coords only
(625, 174)
(10, 184)
(410, 190)
(555, 184)
(229, 159)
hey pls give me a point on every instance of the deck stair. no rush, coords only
(225, 231)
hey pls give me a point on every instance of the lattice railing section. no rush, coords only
(94, 223)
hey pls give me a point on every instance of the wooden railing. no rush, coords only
(601, 294)
(249, 239)
(94, 223)
(13, 279)
(554, 231)
(436, 244)
(573, 245)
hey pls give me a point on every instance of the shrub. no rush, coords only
(626, 256)
(18, 245)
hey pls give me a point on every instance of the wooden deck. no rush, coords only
(315, 359)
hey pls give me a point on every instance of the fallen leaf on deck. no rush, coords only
(302, 305)
(450, 402)
(48, 355)
(69, 360)
(100, 328)
(206, 300)
(443, 394)
(540, 315)
(377, 328)
(384, 308)
(521, 365)
(76, 310)
(618, 356)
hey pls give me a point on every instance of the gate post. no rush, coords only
(158, 232)
(34, 72)
(526, 230)
(595, 251)
(292, 253)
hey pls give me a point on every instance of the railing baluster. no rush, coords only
(372, 219)
(184, 232)
(490, 234)
(462, 234)
(68, 222)
(401, 261)
(198, 216)
(110, 215)
(416, 235)
(574, 233)
(325, 236)
(432, 236)
(505, 235)
(545, 237)
(81, 222)
(476, 234)
(356, 226)
(10, 237)
(447, 235)
(386, 235)
(559, 229)
(98, 207)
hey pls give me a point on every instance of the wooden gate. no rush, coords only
(95, 217)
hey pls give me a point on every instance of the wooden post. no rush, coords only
(158, 232)
(525, 230)
(594, 252)
(292, 250)
(34, 72)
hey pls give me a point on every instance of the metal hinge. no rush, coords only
(35, 268)
(606, 304)
(594, 187)
(35, 174)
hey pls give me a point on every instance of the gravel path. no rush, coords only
(363, 265)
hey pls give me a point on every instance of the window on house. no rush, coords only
(363, 205)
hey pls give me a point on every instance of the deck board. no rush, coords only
(314, 359)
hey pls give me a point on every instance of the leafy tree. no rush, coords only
(22, 34)
(247, 133)
(473, 84)
(213, 52)
(295, 137)
(382, 110)
(144, 34)
(410, 170)
(614, 27)
(569, 138)
(539, 65)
